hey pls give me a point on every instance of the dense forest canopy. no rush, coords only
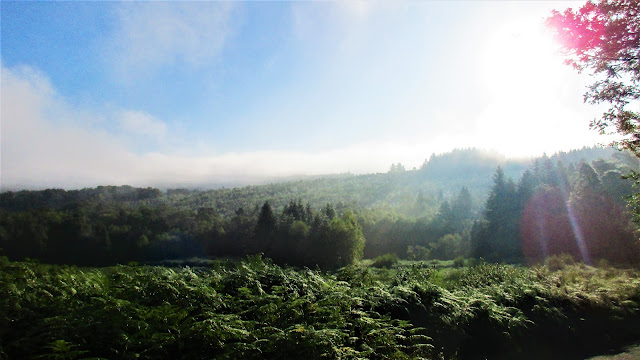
(456, 205)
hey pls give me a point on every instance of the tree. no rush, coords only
(603, 36)
(207, 228)
(329, 211)
(526, 188)
(497, 238)
(265, 228)
(295, 211)
(462, 207)
(396, 168)
(480, 239)
(444, 218)
(545, 227)
(345, 241)
(600, 223)
(588, 180)
(449, 247)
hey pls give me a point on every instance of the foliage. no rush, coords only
(555, 210)
(385, 261)
(458, 262)
(423, 214)
(449, 247)
(254, 309)
(559, 261)
(603, 36)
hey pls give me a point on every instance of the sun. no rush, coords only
(531, 99)
(520, 59)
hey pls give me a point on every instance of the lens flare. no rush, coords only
(580, 240)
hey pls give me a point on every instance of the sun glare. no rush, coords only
(520, 60)
(524, 78)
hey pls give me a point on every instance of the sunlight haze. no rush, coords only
(207, 93)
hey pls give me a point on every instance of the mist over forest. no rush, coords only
(466, 203)
(311, 180)
(396, 233)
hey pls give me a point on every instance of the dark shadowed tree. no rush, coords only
(601, 225)
(526, 188)
(265, 228)
(499, 240)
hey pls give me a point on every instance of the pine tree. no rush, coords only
(462, 206)
(500, 241)
(265, 228)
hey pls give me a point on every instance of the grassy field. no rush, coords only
(252, 309)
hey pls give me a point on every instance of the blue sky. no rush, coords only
(200, 93)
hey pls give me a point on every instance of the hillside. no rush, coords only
(440, 178)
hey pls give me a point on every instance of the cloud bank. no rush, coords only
(141, 123)
(367, 84)
(46, 142)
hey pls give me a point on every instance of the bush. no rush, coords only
(559, 262)
(385, 261)
(418, 252)
(473, 262)
(447, 247)
(458, 262)
(603, 263)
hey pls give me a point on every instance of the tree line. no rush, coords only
(554, 208)
(99, 233)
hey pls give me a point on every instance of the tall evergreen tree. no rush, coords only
(526, 188)
(462, 206)
(265, 228)
(500, 241)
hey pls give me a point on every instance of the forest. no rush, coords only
(470, 256)
(435, 212)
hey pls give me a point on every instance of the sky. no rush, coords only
(205, 93)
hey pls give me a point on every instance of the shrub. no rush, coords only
(418, 252)
(447, 247)
(473, 262)
(559, 262)
(386, 260)
(458, 262)
(603, 263)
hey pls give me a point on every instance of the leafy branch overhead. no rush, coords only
(603, 37)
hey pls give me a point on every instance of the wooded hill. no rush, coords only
(423, 213)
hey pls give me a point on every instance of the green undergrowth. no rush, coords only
(254, 309)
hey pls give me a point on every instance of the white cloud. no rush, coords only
(141, 123)
(153, 34)
(43, 145)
